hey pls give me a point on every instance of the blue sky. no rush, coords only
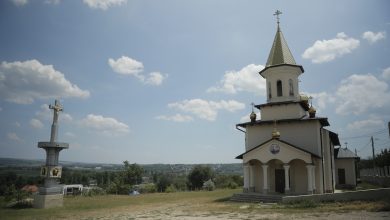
(166, 81)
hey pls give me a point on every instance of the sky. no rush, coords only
(167, 81)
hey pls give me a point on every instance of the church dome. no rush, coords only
(252, 116)
(275, 134)
(312, 112)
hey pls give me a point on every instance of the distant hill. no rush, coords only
(230, 168)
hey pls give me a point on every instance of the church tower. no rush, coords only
(281, 74)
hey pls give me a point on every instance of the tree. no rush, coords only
(163, 181)
(132, 174)
(198, 175)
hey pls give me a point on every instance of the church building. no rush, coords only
(290, 150)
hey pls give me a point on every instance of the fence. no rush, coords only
(378, 176)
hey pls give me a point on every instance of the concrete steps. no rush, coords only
(255, 198)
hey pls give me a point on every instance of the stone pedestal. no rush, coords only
(51, 195)
(48, 201)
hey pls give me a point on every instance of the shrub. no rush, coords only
(170, 189)
(147, 188)
(209, 185)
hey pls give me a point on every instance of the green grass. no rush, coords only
(202, 203)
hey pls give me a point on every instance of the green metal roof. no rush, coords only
(280, 53)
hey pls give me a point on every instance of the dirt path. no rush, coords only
(196, 211)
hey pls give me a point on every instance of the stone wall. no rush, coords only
(378, 176)
(372, 194)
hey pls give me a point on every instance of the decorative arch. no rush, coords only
(291, 87)
(269, 90)
(279, 88)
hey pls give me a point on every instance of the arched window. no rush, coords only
(291, 87)
(269, 90)
(279, 88)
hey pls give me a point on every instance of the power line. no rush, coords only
(366, 135)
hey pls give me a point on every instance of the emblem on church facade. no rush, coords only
(274, 148)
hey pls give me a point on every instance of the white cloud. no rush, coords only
(359, 93)
(17, 124)
(247, 79)
(321, 100)
(14, 137)
(19, 2)
(106, 125)
(103, 4)
(328, 50)
(369, 124)
(372, 37)
(70, 134)
(46, 114)
(128, 66)
(386, 73)
(204, 109)
(175, 118)
(155, 78)
(23, 82)
(35, 123)
(52, 2)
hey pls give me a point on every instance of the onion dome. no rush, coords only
(312, 112)
(275, 134)
(252, 116)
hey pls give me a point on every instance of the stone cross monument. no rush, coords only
(51, 195)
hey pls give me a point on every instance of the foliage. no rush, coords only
(94, 191)
(228, 181)
(383, 159)
(132, 174)
(208, 185)
(171, 189)
(147, 188)
(11, 178)
(162, 182)
(198, 175)
(302, 204)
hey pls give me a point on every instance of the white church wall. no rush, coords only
(282, 111)
(285, 155)
(327, 152)
(349, 166)
(303, 134)
(298, 177)
(282, 73)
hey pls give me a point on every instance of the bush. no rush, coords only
(303, 204)
(147, 188)
(209, 185)
(171, 189)
(94, 191)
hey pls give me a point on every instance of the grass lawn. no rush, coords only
(177, 205)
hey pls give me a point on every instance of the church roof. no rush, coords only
(344, 153)
(323, 121)
(280, 53)
(334, 138)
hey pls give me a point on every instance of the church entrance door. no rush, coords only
(341, 174)
(279, 180)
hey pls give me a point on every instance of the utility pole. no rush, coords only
(373, 151)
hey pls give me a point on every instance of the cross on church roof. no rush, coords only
(277, 13)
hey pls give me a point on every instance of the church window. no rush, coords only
(269, 90)
(279, 88)
(291, 88)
